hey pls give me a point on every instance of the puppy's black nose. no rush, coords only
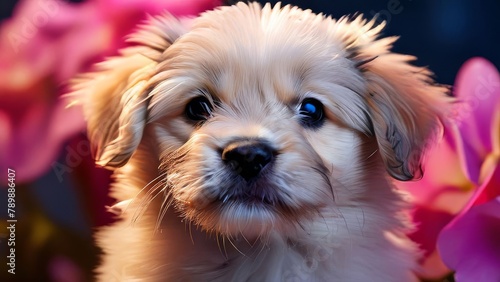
(247, 157)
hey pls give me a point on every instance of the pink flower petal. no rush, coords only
(478, 88)
(175, 7)
(428, 230)
(470, 243)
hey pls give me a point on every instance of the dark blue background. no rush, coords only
(441, 33)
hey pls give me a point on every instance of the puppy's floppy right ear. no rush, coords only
(115, 96)
(405, 106)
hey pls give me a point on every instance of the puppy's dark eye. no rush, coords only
(198, 109)
(311, 112)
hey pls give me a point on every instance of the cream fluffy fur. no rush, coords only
(331, 214)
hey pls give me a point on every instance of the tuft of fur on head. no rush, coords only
(326, 186)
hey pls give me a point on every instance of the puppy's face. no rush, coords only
(260, 115)
(254, 124)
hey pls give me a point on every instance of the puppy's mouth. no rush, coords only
(261, 194)
(248, 199)
(251, 209)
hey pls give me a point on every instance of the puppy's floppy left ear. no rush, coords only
(405, 104)
(115, 106)
(115, 97)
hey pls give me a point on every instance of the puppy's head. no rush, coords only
(261, 114)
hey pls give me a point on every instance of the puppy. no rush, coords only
(259, 144)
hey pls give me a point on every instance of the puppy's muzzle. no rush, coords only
(248, 157)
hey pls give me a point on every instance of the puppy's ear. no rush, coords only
(115, 96)
(405, 104)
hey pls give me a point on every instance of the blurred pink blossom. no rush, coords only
(43, 45)
(63, 269)
(461, 169)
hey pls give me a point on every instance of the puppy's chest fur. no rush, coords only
(357, 241)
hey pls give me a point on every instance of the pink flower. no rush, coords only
(470, 244)
(458, 171)
(43, 45)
